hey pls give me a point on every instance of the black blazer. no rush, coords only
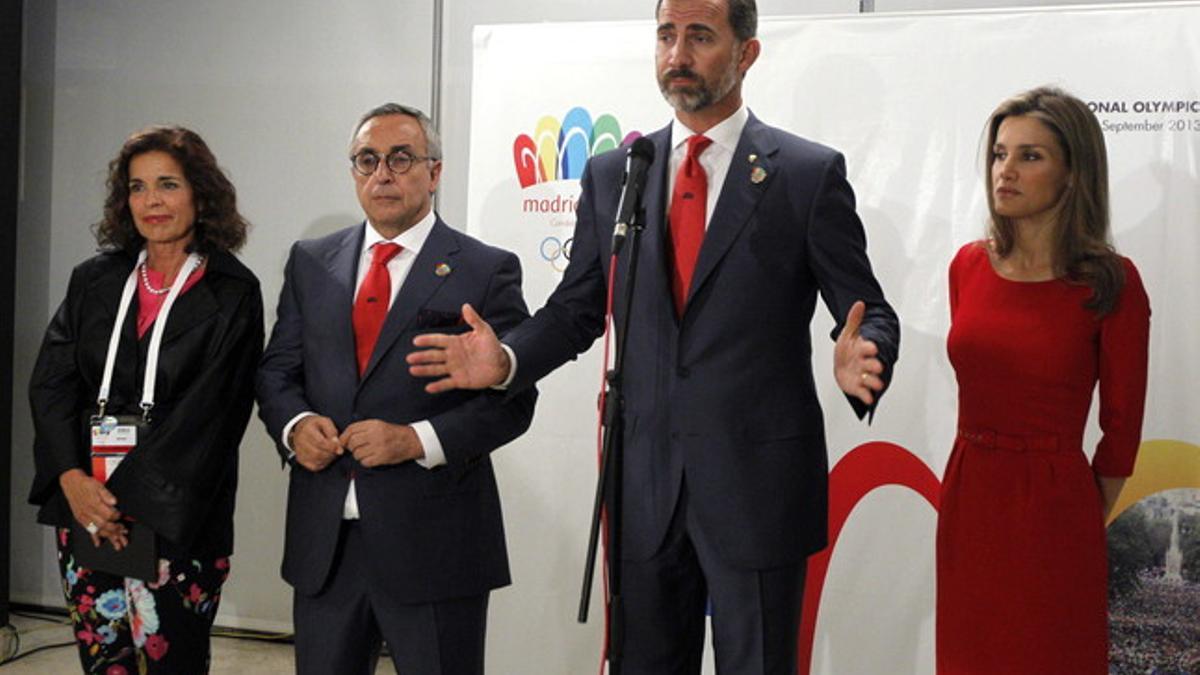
(181, 480)
(438, 533)
(724, 395)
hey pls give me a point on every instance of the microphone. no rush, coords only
(637, 164)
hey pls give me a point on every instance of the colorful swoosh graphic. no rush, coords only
(558, 150)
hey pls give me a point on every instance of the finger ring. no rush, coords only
(91, 527)
(863, 376)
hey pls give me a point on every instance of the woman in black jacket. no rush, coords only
(137, 468)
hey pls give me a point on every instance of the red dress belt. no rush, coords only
(993, 440)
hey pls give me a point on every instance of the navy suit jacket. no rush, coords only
(724, 397)
(438, 532)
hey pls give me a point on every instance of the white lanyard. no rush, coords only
(193, 261)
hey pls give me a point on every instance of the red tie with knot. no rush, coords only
(371, 306)
(689, 204)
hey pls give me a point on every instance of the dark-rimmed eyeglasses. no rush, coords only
(397, 161)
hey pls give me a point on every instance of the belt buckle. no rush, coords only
(984, 437)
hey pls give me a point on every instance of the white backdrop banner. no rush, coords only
(905, 97)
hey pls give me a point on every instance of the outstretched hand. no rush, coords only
(473, 360)
(855, 364)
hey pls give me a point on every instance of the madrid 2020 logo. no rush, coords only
(551, 162)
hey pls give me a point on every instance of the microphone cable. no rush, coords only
(608, 326)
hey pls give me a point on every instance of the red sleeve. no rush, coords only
(1124, 347)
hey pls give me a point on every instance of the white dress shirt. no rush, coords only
(411, 241)
(716, 158)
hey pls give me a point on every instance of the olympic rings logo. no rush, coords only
(556, 252)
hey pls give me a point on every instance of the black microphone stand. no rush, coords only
(609, 483)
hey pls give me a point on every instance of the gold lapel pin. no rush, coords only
(758, 175)
(442, 269)
(753, 158)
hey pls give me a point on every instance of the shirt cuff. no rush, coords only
(287, 431)
(435, 456)
(512, 368)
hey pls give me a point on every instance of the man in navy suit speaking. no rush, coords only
(725, 463)
(394, 529)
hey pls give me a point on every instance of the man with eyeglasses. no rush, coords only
(394, 531)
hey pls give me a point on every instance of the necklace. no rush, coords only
(146, 282)
(166, 289)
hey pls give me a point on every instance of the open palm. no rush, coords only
(473, 360)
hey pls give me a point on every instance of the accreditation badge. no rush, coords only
(112, 439)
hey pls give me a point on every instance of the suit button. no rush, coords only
(682, 372)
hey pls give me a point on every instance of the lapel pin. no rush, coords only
(753, 158)
(758, 175)
(442, 269)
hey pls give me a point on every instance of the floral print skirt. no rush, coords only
(127, 626)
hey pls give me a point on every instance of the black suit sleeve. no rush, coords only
(56, 396)
(574, 314)
(838, 257)
(279, 382)
(490, 419)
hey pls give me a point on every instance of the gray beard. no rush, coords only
(689, 100)
(698, 97)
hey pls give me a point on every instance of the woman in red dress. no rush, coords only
(1040, 312)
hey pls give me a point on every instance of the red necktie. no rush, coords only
(371, 306)
(689, 203)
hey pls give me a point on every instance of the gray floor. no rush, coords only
(230, 656)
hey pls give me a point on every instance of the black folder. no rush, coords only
(137, 560)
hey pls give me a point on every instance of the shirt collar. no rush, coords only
(411, 239)
(725, 133)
